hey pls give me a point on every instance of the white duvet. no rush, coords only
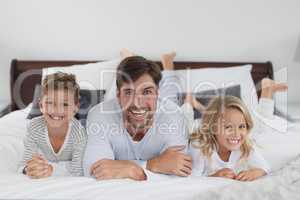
(278, 149)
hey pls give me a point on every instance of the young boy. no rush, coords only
(55, 141)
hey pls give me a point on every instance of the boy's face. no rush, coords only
(58, 107)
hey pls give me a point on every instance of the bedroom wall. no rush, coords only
(232, 30)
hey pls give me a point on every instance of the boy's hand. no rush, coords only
(250, 174)
(225, 173)
(38, 167)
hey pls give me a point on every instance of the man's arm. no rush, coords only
(99, 160)
(173, 158)
(98, 146)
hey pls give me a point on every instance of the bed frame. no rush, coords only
(26, 74)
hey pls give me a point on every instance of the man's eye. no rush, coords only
(128, 93)
(148, 92)
(66, 104)
(49, 102)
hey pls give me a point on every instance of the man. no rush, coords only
(137, 133)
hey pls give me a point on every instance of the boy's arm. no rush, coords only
(30, 148)
(76, 167)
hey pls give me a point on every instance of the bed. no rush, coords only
(279, 149)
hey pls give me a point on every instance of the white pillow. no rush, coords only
(197, 80)
(90, 76)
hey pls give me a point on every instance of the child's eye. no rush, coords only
(66, 104)
(242, 126)
(228, 127)
(49, 102)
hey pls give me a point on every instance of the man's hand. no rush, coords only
(225, 173)
(106, 169)
(172, 161)
(250, 175)
(38, 167)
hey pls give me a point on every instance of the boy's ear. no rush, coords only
(77, 107)
(41, 106)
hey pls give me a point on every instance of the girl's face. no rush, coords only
(58, 107)
(232, 131)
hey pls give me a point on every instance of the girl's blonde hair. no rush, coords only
(205, 137)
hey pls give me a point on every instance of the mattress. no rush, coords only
(277, 147)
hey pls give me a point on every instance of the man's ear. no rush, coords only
(157, 92)
(118, 93)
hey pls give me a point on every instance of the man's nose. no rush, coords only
(137, 100)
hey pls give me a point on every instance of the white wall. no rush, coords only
(214, 30)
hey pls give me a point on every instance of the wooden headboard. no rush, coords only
(26, 74)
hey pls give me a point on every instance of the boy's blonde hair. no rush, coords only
(205, 138)
(60, 80)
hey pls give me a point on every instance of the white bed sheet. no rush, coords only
(278, 149)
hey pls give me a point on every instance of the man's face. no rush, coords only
(138, 102)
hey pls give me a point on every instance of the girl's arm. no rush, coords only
(199, 167)
(258, 167)
(256, 160)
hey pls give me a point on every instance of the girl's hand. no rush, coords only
(250, 175)
(225, 173)
(38, 167)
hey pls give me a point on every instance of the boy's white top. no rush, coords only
(109, 139)
(68, 161)
(202, 166)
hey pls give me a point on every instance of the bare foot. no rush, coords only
(125, 53)
(269, 87)
(167, 60)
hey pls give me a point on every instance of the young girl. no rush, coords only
(222, 146)
(55, 141)
(209, 150)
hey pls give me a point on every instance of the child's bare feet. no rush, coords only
(125, 53)
(269, 87)
(167, 60)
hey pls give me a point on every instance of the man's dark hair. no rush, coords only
(132, 68)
